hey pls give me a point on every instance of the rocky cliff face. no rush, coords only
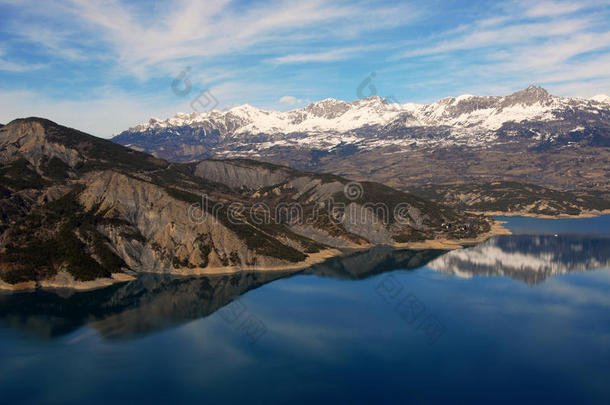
(340, 213)
(76, 210)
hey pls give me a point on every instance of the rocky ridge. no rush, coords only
(78, 209)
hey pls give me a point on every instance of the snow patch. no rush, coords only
(601, 98)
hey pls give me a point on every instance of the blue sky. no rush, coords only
(102, 66)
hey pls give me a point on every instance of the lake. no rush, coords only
(523, 317)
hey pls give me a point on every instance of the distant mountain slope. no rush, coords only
(484, 138)
(515, 198)
(80, 211)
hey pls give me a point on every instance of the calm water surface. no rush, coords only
(522, 318)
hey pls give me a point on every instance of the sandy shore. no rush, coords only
(63, 280)
(312, 258)
(28, 285)
(587, 214)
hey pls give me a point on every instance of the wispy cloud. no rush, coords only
(326, 56)
(110, 111)
(259, 52)
(19, 67)
(190, 29)
(525, 42)
(293, 101)
(484, 35)
(13, 66)
(551, 8)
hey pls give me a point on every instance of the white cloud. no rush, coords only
(552, 8)
(326, 56)
(140, 40)
(9, 66)
(291, 100)
(260, 51)
(19, 67)
(493, 37)
(114, 110)
(584, 89)
(552, 43)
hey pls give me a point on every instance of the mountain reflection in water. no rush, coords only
(527, 258)
(155, 302)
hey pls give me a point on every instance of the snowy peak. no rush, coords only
(331, 108)
(470, 118)
(247, 113)
(529, 96)
(328, 108)
(601, 98)
(463, 97)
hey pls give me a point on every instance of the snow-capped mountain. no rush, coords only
(601, 98)
(326, 115)
(332, 129)
(467, 120)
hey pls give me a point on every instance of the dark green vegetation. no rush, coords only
(507, 196)
(55, 169)
(59, 234)
(20, 175)
(401, 206)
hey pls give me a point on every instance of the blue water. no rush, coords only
(523, 225)
(531, 325)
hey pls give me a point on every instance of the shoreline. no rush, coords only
(312, 258)
(452, 244)
(66, 282)
(63, 282)
(586, 214)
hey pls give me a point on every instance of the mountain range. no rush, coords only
(84, 212)
(528, 136)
